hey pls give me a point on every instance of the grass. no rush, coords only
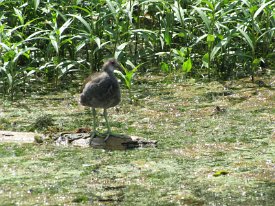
(204, 156)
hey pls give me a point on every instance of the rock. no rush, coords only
(19, 137)
(114, 142)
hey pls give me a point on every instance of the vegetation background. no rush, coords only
(51, 42)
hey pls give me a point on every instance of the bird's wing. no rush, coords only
(101, 88)
(89, 79)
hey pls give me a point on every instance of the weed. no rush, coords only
(43, 122)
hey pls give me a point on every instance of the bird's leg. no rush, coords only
(94, 119)
(94, 132)
(107, 123)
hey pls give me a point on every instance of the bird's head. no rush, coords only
(111, 65)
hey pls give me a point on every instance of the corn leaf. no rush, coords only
(83, 21)
(204, 17)
(97, 41)
(119, 49)
(65, 26)
(4, 46)
(261, 8)
(18, 13)
(80, 46)
(210, 38)
(111, 7)
(216, 48)
(36, 4)
(54, 43)
(22, 52)
(187, 65)
(205, 60)
(247, 38)
(179, 12)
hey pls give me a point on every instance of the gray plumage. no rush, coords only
(102, 91)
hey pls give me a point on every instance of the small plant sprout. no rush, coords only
(128, 77)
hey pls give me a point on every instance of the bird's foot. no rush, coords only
(108, 135)
(92, 136)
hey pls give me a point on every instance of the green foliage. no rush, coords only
(128, 76)
(219, 173)
(43, 122)
(51, 43)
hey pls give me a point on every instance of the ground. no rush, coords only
(216, 146)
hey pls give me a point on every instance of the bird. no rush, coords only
(101, 90)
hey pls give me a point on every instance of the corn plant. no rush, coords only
(15, 73)
(252, 34)
(48, 42)
(212, 15)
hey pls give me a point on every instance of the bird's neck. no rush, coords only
(109, 69)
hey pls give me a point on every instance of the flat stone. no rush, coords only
(114, 142)
(18, 137)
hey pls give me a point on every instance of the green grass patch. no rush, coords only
(204, 157)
